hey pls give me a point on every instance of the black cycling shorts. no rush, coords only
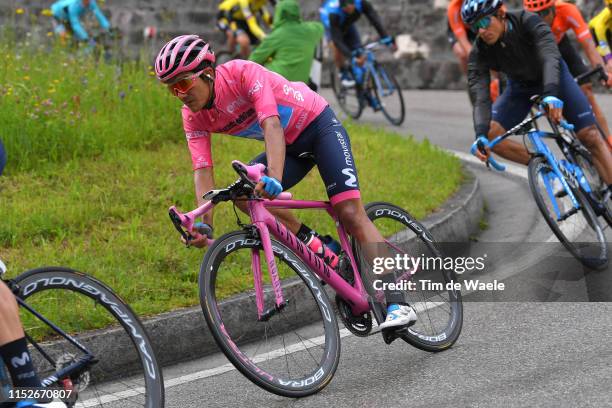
(326, 144)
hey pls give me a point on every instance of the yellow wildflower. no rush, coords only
(26, 78)
(20, 11)
(47, 12)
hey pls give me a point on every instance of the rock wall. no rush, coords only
(424, 20)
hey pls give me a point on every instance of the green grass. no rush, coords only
(90, 188)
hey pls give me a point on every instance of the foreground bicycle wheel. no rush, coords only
(348, 98)
(580, 232)
(390, 96)
(439, 312)
(126, 373)
(295, 352)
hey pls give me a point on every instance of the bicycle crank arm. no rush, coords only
(267, 314)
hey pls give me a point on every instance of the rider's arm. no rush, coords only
(275, 146)
(583, 34)
(599, 27)
(75, 23)
(266, 16)
(548, 52)
(257, 89)
(479, 79)
(456, 24)
(337, 36)
(198, 142)
(251, 19)
(99, 15)
(374, 18)
(204, 181)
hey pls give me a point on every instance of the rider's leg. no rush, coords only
(602, 158)
(509, 109)
(13, 345)
(578, 112)
(244, 41)
(508, 149)
(338, 56)
(599, 115)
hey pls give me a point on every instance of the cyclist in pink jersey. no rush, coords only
(242, 98)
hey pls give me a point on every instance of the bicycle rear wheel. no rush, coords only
(126, 373)
(439, 312)
(580, 232)
(348, 97)
(389, 96)
(296, 351)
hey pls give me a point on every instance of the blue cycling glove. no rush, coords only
(272, 186)
(553, 102)
(388, 40)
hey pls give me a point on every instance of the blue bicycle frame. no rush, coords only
(562, 170)
(377, 72)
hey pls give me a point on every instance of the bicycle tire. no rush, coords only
(64, 284)
(597, 260)
(410, 234)
(237, 335)
(341, 94)
(395, 120)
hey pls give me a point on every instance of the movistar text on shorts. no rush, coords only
(404, 262)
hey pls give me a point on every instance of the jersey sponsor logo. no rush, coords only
(352, 179)
(301, 120)
(257, 86)
(196, 134)
(297, 95)
(17, 362)
(244, 116)
(231, 108)
(256, 132)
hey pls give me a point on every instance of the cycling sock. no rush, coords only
(18, 360)
(305, 232)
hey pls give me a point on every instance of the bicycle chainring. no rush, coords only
(358, 325)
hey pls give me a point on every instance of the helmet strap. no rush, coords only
(211, 99)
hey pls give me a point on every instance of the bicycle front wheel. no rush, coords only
(439, 312)
(348, 97)
(125, 372)
(390, 96)
(577, 229)
(295, 351)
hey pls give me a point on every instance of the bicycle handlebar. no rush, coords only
(599, 69)
(482, 142)
(249, 177)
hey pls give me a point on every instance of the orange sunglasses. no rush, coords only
(184, 85)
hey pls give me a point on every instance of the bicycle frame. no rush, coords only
(267, 225)
(378, 73)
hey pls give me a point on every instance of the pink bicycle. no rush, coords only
(283, 334)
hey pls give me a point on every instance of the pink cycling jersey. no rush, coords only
(245, 95)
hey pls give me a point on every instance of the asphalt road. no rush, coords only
(523, 352)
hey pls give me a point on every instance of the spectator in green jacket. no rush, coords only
(289, 48)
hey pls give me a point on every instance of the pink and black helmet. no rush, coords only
(185, 53)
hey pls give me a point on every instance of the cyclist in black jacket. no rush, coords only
(521, 45)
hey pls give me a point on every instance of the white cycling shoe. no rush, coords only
(398, 316)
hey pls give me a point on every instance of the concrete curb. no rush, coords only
(184, 335)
